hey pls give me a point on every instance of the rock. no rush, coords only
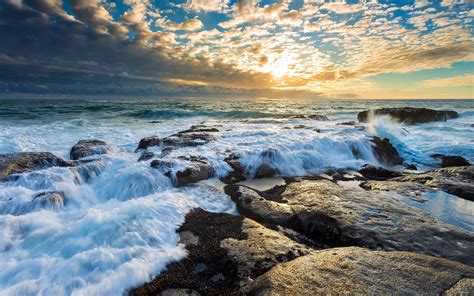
(318, 117)
(16, 163)
(363, 272)
(408, 115)
(179, 292)
(451, 161)
(385, 152)
(85, 148)
(457, 181)
(300, 126)
(225, 253)
(463, 287)
(48, 200)
(350, 123)
(200, 129)
(161, 164)
(147, 155)
(410, 166)
(237, 174)
(194, 136)
(197, 171)
(333, 215)
(265, 170)
(303, 116)
(148, 142)
(188, 139)
(377, 173)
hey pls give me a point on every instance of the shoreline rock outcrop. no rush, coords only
(22, 162)
(408, 115)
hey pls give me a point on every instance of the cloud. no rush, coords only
(207, 5)
(187, 25)
(466, 80)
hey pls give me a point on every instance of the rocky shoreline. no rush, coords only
(327, 233)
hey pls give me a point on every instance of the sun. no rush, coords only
(279, 67)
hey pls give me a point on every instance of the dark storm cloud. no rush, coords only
(45, 49)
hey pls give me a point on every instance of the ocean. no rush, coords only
(117, 227)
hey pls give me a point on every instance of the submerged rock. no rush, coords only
(451, 161)
(409, 115)
(85, 148)
(148, 142)
(385, 152)
(360, 271)
(334, 215)
(21, 162)
(225, 253)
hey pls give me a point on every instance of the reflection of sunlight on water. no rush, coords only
(447, 208)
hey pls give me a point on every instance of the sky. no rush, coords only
(271, 48)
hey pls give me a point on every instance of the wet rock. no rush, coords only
(16, 163)
(147, 155)
(197, 171)
(179, 292)
(161, 164)
(303, 116)
(350, 123)
(451, 161)
(225, 253)
(48, 200)
(265, 170)
(364, 272)
(408, 115)
(85, 148)
(457, 181)
(333, 215)
(148, 142)
(385, 152)
(300, 126)
(377, 173)
(237, 174)
(188, 139)
(199, 129)
(410, 166)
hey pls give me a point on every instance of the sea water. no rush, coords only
(117, 227)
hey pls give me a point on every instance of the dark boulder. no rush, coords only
(16, 163)
(237, 174)
(451, 161)
(148, 142)
(85, 148)
(265, 170)
(377, 173)
(385, 152)
(409, 115)
(147, 155)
